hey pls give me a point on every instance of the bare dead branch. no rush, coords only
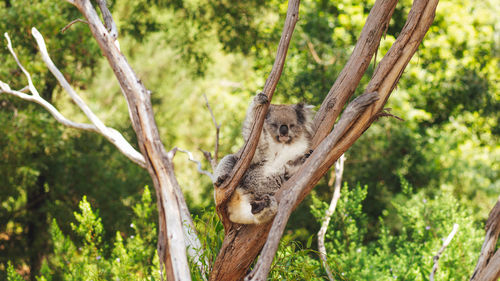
(4, 88)
(440, 252)
(31, 87)
(71, 23)
(339, 170)
(488, 264)
(289, 194)
(213, 161)
(171, 244)
(112, 135)
(224, 192)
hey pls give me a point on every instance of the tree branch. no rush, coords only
(440, 252)
(171, 241)
(198, 163)
(213, 161)
(110, 134)
(108, 19)
(353, 71)
(224, 192)
(339, 170)
(488, 264)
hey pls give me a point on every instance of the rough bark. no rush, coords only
(488, 264)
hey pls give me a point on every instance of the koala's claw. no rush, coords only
(309, 153)
(261, 98)
(220, 180)
(261, 204)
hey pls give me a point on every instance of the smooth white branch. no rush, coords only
(339, 170)
(440, 252)
(110, 134)
(198, 163)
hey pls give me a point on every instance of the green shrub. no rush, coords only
(404, 252)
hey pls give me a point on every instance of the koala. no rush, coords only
(283, 146)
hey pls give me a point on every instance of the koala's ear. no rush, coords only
(268, 114)
(304, 112)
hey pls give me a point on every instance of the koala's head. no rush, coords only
(287, 123)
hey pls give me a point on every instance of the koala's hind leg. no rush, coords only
(224, 168)
(245, 208)
(264, 209)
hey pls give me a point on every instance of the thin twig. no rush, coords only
(213, 160)
(192, 159)
(71, 23)
(339, 170)
(440, 252)
(31, 87)
(316, 57)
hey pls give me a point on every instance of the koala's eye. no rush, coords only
(274, 125)
(292, 125)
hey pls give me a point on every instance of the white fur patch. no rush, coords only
(239, 208)
(280, 154)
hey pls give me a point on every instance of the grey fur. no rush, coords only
(267, 173)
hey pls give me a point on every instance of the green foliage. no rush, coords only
(12, 275)
(128, 258)
(405, 252)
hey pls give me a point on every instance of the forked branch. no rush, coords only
(112, 135)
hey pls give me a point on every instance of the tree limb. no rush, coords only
(488, 264)
(171, 242)
(213, 161)
(440, 252)
(224, 192)
(110, 134)
(339, 170)
(353, 71)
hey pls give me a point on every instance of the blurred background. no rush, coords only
(73, 208)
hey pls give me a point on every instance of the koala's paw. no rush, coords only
(220, 180)
(264, 209)
(261, 99)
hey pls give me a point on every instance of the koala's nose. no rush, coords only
(283, 130)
